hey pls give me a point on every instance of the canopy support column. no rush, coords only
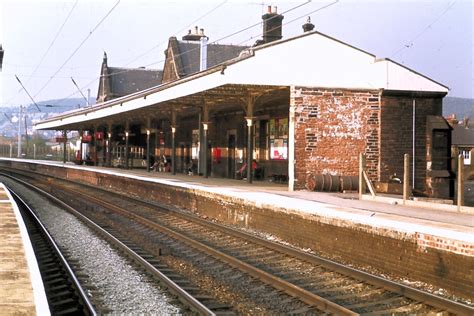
(148, 131)
(205, 127)
(249, 118)
(108, 155)
(173, 142)
(127, 132)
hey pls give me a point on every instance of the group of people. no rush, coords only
(159, 164)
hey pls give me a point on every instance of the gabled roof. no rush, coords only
(462, 136)
(189, 53)
(312, 59)
(124, 81)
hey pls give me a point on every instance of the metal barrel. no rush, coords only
(323, 182)
(349, 183)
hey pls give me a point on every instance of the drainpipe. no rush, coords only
(249, 148)
(413, 142)
(148, 150)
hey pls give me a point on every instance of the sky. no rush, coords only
(47, 42)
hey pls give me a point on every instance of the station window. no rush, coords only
(466, 154)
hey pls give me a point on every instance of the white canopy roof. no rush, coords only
(311, 59)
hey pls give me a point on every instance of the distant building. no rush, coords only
(462, 142)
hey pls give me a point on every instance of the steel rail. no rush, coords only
(76, 284)
(392, 286)
(172, 286)
(407, 291)
(289, 288)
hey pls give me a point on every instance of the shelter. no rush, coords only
(299, 106)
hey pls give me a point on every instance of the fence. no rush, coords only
(41, 152)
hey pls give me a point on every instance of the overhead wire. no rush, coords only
(48, 49)
(210, 43)
(181, 30)
(409, 43)
(215, 41)
(78, 47)
(154, 47)
(54, 40)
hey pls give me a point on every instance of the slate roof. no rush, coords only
(189, 53)
(125, 81)
(462, 136)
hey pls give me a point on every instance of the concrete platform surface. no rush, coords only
(21, 290)
(429, 218)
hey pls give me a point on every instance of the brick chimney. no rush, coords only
(271, 25)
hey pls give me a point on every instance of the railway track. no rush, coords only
(64, 293)
(300, 282)
(173, 283)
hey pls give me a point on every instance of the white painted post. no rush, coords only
(34, 151)
(460, 182)
(361, 175)
(406, 177)
(11, 150)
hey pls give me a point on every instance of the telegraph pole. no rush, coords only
(19, 131)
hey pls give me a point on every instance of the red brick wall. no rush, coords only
(332, 126)
(396, 135)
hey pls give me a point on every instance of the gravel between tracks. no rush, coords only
(114, 285)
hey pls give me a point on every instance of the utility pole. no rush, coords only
(19, 132)
(26, 137)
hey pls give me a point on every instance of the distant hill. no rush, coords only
(461, 107)
(47, 108)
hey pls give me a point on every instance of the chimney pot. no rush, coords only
(308, 26)
(275, 9)
(196, 30)
(202, 32)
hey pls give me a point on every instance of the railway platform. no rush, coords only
(428, 242)
(21, 290)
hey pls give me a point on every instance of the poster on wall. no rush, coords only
(279, 149)
(195, 144)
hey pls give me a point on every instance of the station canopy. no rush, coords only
(265, 72)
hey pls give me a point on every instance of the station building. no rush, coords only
(297, 106)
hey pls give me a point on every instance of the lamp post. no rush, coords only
(14, 120)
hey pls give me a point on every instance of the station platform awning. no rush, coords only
(267, 71)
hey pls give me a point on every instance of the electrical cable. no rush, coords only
(215, 41)
(181, 30)
(53, 41)
(77, 49)
(410, 42)
(47, 50)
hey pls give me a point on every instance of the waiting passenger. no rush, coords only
(242, 172)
